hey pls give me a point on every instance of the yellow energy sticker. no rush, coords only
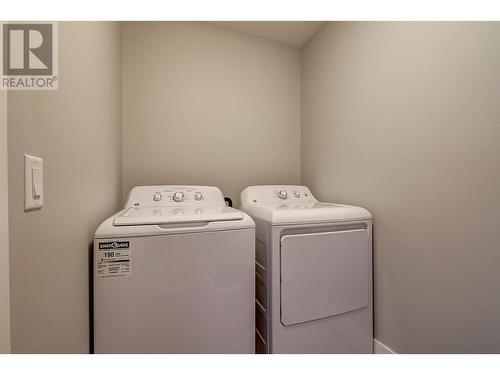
(113, 259)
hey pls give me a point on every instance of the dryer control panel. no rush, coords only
(277, 193)
(175, 195)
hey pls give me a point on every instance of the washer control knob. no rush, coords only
(157, 197)
(179, 196)
(198, 196)
(297, 194)
(282, 194)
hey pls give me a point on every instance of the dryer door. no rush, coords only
(323, 274)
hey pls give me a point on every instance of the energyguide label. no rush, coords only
(114, 259)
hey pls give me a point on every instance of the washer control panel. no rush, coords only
(168, 195)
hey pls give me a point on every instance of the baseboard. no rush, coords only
(379, 348)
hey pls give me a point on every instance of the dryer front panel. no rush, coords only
(324, 274)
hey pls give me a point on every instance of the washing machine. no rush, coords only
(174, 273)
(313, 272)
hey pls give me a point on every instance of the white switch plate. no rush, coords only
(33, 182)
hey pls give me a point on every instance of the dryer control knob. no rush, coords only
(282, 194)
(179, 196)
(198, 196)
(157, 197)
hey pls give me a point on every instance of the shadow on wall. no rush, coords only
(91, 297)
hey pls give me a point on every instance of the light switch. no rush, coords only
(36, 175)
(33, 182)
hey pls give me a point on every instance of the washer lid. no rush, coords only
(175, 215)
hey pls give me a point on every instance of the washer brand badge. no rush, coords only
(29, 56)
(114, 245)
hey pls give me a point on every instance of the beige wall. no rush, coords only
(404, 119)
(205, 105)
(4, 231)
(401, 118)
(77, 131)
